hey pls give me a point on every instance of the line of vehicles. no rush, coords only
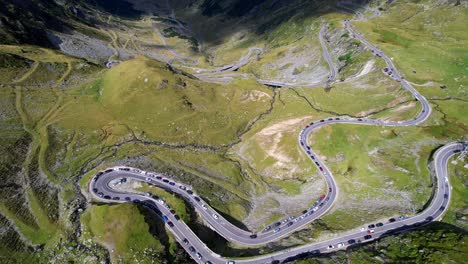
(294, 219)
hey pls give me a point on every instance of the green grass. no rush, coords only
(121, 228)
(458, 203)
(433, 49)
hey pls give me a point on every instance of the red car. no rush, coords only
(321, 169)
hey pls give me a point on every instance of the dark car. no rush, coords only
(107, 197)
(170, 224)
(367, 237)
(191, 249)
(166, 180)
(290, 223)
(176, 217)
(304, 212)
(196, 198)
(378, 224)
(391, 220)
(116, 198)
(128, 199)
(189, 191)
(186, 242)
(158, 177)
(277, 224)
(109, 170)
(322, 120)
(351, 241)
(330, 189)
(253, 236)
(99, 173)
(275, 262)
(172, 183)
(172, 212)
(311, 123)
(371, 226)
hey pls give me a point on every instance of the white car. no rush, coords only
(340, 245)
(215, 216)
(204, 206)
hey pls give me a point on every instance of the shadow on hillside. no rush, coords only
(215, 21)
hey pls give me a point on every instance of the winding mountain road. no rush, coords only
(104, 187)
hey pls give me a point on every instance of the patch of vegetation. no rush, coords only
(348, 58)
(458, 210)
(123, 230)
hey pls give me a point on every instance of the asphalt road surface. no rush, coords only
(104, 185)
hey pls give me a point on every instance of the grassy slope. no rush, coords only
(457, 212)
(123, 230)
